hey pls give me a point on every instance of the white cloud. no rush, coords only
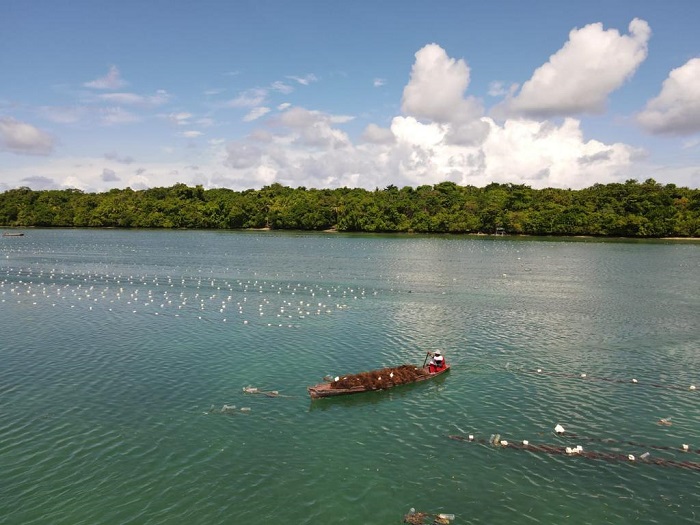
(248, 99)
(158, 99)
(281, 87)
(114, 116)
(379, 82)
(256, 113)
(314, 128)
(112, 80)
(542, 154)
(22, 138)
(676, 110)
(437, 85)
(305, 80)
(191, 134)
(242, 156)
(63, 115)
(499, 89)
(377, 135)
(579, 77)
(435, 92)
(441, 135)
(179, 119)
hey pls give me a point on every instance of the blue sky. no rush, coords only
(97, 95)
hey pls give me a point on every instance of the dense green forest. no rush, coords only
(632, 209)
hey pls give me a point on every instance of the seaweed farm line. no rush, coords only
(524, 445)
(584, 376)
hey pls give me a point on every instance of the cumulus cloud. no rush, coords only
(543, 154)
(314, 128)
(22, 138)
(676, 110)
(580, 76)
(112, 80)
(435, 92)
(377, 135)
(242, 156)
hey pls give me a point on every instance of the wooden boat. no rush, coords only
(8, 234)
(373, 380)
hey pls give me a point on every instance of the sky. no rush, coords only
(240, 94)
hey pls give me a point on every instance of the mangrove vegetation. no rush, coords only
(630, 209)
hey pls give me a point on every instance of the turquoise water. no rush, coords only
(120, 348)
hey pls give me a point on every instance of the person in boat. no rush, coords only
(437, 363)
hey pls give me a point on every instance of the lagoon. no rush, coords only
(120, 349)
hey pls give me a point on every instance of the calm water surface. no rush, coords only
(119, 350)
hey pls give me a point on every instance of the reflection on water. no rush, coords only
(117, 344)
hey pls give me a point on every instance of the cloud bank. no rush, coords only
(533, 136)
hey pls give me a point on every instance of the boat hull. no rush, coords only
(326, 389)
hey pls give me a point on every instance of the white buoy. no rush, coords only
(631, 457)
(539, 370)
(526, 442)
(685, 447)
(569, 450)
(471, 437)
(559, 429)
(583, 375)
(504, 443)
(634, 380)
(692, 387)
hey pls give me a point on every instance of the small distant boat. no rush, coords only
(11, 234)
(374, 380)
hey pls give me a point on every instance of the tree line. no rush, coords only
(630, 209)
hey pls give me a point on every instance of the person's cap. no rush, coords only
(437, 352)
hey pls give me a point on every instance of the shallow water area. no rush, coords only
(120, 350)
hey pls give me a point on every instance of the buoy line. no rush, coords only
(578, 450)
(583, 375)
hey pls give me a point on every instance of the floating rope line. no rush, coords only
(612, 441)
(496, 441)
(632, 381)
(227, 409)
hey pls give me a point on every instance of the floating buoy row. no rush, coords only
(250, 301)
(610, 441)
(583, 375)
(496, 441)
